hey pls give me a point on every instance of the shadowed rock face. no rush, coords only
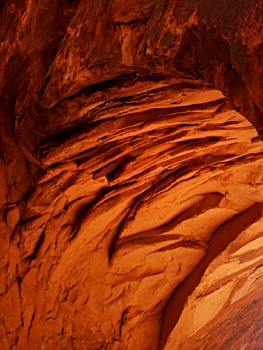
(131, 175)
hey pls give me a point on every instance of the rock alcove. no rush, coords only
(131, 175)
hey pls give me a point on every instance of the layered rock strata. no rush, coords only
(131, 181)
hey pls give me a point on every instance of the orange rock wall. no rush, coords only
(131, 175)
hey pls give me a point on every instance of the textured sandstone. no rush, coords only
(131, 182)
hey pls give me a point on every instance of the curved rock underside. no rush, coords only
(131, 182)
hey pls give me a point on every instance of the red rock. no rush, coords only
(131, 175)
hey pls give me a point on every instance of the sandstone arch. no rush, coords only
(131, 187)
